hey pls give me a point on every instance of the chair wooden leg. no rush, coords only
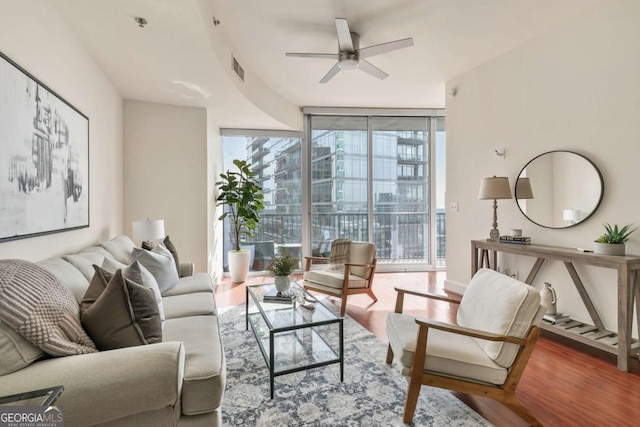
(343, 305)
(372, 295)
(516, 406)
(389, 355)
(412, 401)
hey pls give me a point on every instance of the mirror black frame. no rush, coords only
(570, 152)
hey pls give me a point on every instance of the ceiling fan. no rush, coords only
(350, 56)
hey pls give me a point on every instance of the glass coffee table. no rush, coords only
(294, 337)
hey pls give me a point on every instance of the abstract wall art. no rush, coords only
(44, 158)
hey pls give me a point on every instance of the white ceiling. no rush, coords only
(173, 61)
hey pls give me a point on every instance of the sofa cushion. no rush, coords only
(34, 304)
(125, 314)
(160, 263)
(512, 314)
(205, 367)
(199, 282)
(97, 250)
(452, 354)
(111, 265)
(195, 304)
(68, 275)
(84, 262)
(121, 248)
(15, 351)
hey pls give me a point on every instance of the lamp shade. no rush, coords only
(148, 230)
(571, 215)
(523, 188)
(496, 187)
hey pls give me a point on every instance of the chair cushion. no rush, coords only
(497, 303)
(205, 366)
(447, 353)
(361, 253)
(333, 279)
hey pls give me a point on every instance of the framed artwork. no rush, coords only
(44, 158)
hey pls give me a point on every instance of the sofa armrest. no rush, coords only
(104, 386)
(186, 269)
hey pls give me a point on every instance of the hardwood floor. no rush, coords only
(565, 384)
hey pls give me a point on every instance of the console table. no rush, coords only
(485, 254)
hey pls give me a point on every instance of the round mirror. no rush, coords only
(559, 189)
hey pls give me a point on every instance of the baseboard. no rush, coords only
(454, 287)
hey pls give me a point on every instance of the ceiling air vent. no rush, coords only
(238, 69)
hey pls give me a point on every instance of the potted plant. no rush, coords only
(612, 242)
(242, 195)
(282, 265)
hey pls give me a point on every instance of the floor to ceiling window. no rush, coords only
(359, 177)
(275, 158)
(371, 179)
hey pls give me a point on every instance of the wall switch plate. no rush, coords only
(500, 153)
(453, 206)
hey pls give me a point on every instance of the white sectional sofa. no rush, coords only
(179, 381)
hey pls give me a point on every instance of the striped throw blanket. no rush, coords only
(35, 305)
(339, 254)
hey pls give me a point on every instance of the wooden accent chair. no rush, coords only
(484, 354)
(354, 275)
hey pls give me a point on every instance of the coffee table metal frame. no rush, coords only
(291, 311)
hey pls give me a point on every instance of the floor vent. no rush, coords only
(238, 69)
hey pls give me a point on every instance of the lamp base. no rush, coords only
(494, 235)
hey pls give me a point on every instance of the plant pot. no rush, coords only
(608, 248)
(239, 265)
(283, 283)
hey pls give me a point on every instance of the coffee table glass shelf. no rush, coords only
(293, 337)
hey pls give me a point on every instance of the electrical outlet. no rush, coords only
(453, 206)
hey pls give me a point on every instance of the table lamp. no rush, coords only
(148, 230)
(523, 188)
(496, 187)
(572, 215)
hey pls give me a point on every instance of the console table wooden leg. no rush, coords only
(585, 296)
(534, 271)
(474, 259)
(625, 306)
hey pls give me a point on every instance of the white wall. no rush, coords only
(575, 88)
(165, 173)
(214, 168)
(34, 36)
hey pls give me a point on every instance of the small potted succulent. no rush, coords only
(282, 265)
(613, 240)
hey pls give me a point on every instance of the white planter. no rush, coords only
(283, 283)
(239, 265)
(608, 249)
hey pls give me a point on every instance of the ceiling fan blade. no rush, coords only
(368, 67)
(345, 42)
(314, 55)
(377, 49)
(332, 72)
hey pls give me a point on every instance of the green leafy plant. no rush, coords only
(283, 264)
(241, 193)
(615, 235)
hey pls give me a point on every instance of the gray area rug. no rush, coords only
(372, 394)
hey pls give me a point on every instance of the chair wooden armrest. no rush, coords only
(402, 291)
(309, 259)
(475, 333)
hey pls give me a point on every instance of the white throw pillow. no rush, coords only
(160, 264)
(140, 275)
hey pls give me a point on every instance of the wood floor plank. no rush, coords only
(565, 383)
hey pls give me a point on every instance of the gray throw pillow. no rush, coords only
(169, 245)
(160, 263)
(140, 275)
(124, 314)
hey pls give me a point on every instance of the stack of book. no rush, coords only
(521, 240)
(556, 319)
(285, 297)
